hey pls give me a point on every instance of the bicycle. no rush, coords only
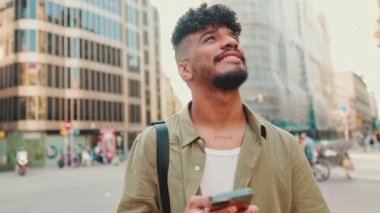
(328, 159)
(321, 169)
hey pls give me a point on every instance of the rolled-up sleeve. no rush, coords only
(140, 182)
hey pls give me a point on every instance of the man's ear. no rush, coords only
(184, 71)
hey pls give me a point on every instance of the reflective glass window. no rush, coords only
(32, 9)
(32, 40)
(49, 11)
(74, 78)
(26, 41)
(72, 17)
(74, 49)
(133, 62)
(131, 15)
(132, 39)
(26, 9)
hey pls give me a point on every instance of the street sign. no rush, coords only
(343, 109)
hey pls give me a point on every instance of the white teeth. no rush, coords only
(230, 57)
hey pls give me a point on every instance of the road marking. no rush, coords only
(356, 176)
(366, 155)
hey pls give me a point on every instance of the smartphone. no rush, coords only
(240, 198)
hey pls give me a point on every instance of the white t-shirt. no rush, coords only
(219, 172)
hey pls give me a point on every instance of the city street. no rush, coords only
(360, 194)
(97, 189)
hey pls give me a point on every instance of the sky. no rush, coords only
(351, 25)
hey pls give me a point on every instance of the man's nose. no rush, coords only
(229, 42)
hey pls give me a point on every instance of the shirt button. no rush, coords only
(197, 168)
(200, 140)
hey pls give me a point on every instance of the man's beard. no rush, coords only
(230, 80)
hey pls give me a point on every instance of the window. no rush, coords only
(74, 49)
(145, 18)
(26, 9)
(21, 108)
(146, 39)
(134, 88)
(49, 43)
(57, 45)
(133, 62)
(74, 78)
(146, 57)
(132, 39)
(26, 41)
(134, 113)
(131, 15)
(50, 108)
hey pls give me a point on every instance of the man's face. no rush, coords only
(214, 55)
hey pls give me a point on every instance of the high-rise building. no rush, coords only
(92, 66)
(288, 61)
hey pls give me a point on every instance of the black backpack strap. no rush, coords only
(163, 163)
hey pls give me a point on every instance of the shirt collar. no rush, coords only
(189, 133)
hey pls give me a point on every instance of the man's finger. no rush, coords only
(198, 202)
(252, 209)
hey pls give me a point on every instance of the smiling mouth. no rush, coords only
(230, 56)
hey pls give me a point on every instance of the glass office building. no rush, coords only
(288, 61)
(89, 65)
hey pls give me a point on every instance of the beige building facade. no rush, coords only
(353, 102)
(90, 66)
(172, 104)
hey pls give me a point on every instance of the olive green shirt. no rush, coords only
(270, 162)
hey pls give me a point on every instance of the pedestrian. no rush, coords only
(370, 142)
(217, 143)
(308, 147)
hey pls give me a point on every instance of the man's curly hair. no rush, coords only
(198, 19)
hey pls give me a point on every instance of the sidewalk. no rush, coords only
(36, 171)
(366, 165)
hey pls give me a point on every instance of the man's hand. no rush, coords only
(200, 204)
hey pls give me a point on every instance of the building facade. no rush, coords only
(377, 32)
(288, 59)
(353, 100)
(172, 104)
(91, 67)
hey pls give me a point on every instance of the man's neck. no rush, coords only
(218, 111)
(221, 122)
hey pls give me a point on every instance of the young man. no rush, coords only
(217, 143)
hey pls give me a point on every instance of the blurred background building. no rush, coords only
(377, 32)
(171, 103)
(353, 100)
(87, 74)
(287, 50)
(87, 71)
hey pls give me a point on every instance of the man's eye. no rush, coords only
(209, 38)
